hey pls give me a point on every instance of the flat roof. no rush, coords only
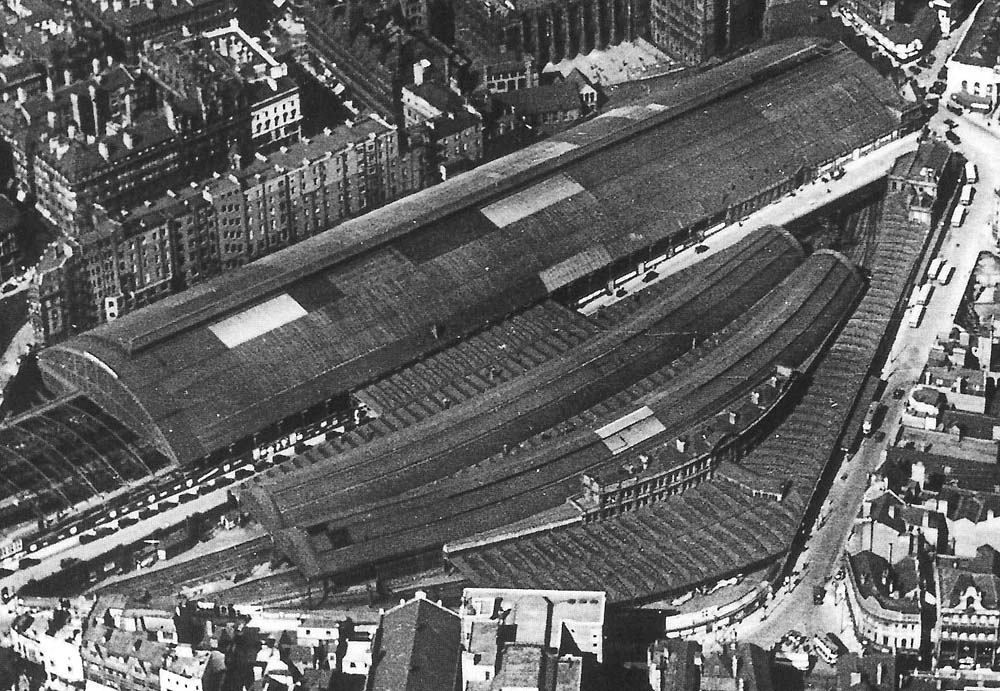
(374, 286)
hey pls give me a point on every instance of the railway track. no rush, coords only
(653, 336)
(204, 569)
(510, 489)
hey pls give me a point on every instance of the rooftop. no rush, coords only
(890, 584)
(928, 161)
(981, 45)
(982, 573)
(609, 175)
(550, 98)
(419, 649)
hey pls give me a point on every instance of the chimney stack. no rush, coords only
(127, 140)
(50, 88)
(681, 444)
(74, 99)
(98, 125)
(419, 68)
(102, 148)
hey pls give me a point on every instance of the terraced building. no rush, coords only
(400, 310)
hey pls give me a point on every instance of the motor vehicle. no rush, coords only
(938, 88)
(957, 110)
(650, 276)
(701, 249)
(952, 137)
(943, 72)
(838, 173)
(950, 123)
(819, 594)
(914, 69)
(841, 574)
(28, 562)
(8, 288)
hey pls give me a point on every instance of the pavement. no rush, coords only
(807, 199)
(822, 555)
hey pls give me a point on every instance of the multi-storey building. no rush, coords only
(123, 135)
(968, 618)
(674, 467)
(440, 121)
(692, 31)
(131, 258)
(192, 670)
(103, 141)
(10, 248)
(494, 32)
(972, 69)
(417, 647)
(118, 657)
(362, 47)
(50, 637)
(885, 601)
(132, 23)
(276, 114)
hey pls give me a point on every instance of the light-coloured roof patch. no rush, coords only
(526, 202)
(629, 430)
(579, 265)
(258, 320)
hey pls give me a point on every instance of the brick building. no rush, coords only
(133, 257)
(693, 31)
(132, 23)
(10, 249)
(968, 618)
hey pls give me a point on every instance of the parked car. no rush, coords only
(952, 137)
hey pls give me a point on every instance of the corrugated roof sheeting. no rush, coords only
(804, 443)
(578, 266)
(666, 547)
(501, 491)
(648, 181)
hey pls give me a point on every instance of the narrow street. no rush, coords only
(822, 556)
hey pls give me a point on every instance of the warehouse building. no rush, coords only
(257, 355)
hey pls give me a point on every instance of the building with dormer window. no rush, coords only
(968, 621)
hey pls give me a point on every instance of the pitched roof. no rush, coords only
(542, 99)
(419, 649)
(425, 254)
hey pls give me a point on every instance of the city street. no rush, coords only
(807, 199)
(821, 558)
